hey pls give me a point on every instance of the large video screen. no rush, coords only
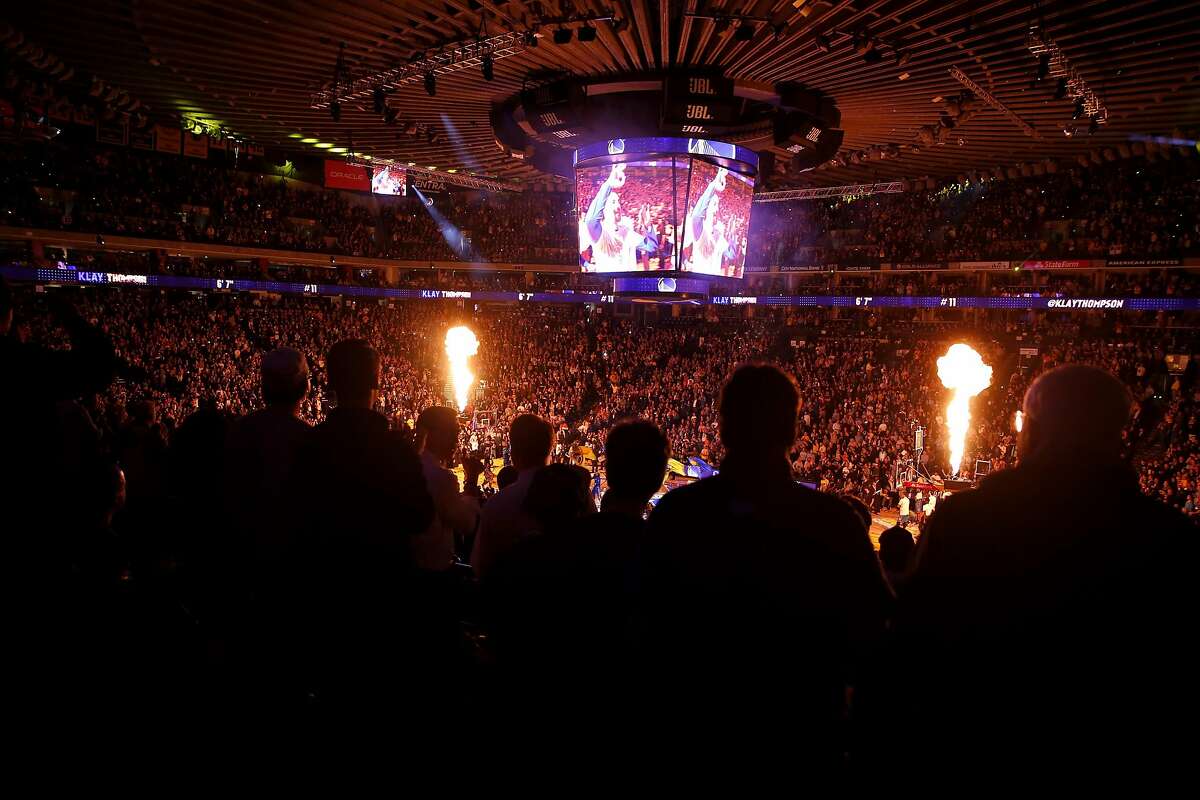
(629, 215)
(717, 222)
(388, 179)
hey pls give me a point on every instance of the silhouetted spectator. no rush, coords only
(759, 593)
(456, 512)
(896, 546)
(504, 521)
(261, 451)
(561, 602)
(1045, 622)
(506, 477)
(357, 497)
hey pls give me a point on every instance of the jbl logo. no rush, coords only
(550, 119)
(700, 86)
(698, 112)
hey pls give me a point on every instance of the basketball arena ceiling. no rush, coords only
(253, 67)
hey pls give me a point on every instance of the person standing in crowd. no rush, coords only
(261, 450)
(503, 521)
(456, 513)
(357, 497)
(1045, 622)
(902, 520)
(758, 592)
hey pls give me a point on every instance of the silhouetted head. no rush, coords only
(437, 430)
(353, 367)
(636, 460)
(507, 476)
(896, 548)
(284, 378)
(558, 495)
(1076, 412)
(758, 409)
(531, 438)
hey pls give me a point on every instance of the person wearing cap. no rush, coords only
(1047, 619)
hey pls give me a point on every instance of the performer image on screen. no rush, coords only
(705, 234)
(613, 239)
(385, 182)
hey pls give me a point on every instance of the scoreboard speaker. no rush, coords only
(555, 107)
(957, 486)
(699, 102)
(811, 155)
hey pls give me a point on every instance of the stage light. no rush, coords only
(903, 57)
(1060, 91)
(1069, 131)
(377, 98)
(389, 115)
(562, 36)
(587, 33)
(1093, 126)
(743, 32)
(619, 25)
(335, 111)
(531, 39)
(872, 57)
(487, 67)
(822, 43)
(720, 25)
(430, 83)
(1079, 109)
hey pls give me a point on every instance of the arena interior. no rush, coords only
(797, 385)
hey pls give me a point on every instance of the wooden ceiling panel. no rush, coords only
(253, 65)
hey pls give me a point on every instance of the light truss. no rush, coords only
(454, 178)
(987, 97)
(468, 55)
(821, 192)
(1041, 44)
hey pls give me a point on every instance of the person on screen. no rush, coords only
(614, 240)
(705, 233)
(385, 182)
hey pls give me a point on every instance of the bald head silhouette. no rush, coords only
(1074, 411)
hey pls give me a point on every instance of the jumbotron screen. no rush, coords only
(642, 211)
(627, 215)
(718, 219)
(389, 179)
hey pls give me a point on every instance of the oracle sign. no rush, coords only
(340, 175)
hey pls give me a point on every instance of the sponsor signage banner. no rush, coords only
(426, 183)
(922, 266)
(981, 265)
(142, 140)
(50, 275)
(195, 145)
(1131, 261)
(167, 139)
(112, 132)
(340, 175)
(1067, 263)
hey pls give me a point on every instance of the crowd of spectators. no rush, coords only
(1128, 208)
(204, 571)
(869, 380)
(1132, 208)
